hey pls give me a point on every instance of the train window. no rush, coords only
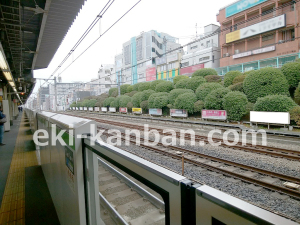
(215, 221)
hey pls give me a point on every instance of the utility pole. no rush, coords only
(119, 86)
(55, 95)
(165, 43)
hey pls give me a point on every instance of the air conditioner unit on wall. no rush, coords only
(227, 54)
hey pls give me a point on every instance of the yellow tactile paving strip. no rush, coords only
(12, 209)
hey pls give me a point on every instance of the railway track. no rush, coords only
(259, 149)
(123, 201)
(227, 168)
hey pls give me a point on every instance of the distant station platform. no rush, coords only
(24, 195)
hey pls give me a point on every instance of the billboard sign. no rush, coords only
(103, 109)
(85, 108)
(156, 112)
(137, 110)
(270, 117)
(112, 109)
(97, 109)
(81, 108)
(151, 74)
(91, 109)
(191, 69)
(241, 6)
(178, 113)
(123, 110)
(258, 28)
(214, 114)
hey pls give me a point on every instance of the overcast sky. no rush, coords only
(177, 18)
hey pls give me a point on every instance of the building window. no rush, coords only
(185, 64)
(127, 55)
(195, 46)
(139, 49)
(153, 49)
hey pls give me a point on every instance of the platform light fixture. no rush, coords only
(3, 64)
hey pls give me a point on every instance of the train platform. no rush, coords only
(24, 195)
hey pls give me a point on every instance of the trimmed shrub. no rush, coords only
(154, 83)
(100, 99)
(195, 82)
(213, 78)
(111, 91)
(229, 77)
(176, 92)
(237, 87)
(131, 93)
(136, 86)
(182, 84)
(129, 105)
(178, 78)
(292, 73)
(198, 106)
(124, 89)
(274, 103)
(136, 99)
(144, 86)
(124, 101)
(144, 105)
(114, 94)
(235, 103)
(170, 106)
(297, 94)
(146, 94)
(108, 101)
(164, 87)
(115, 103)
(160, 102)
(295, 114)
(250, 107)
(214, 100)
(263, 82)
(239, 79)
(186, 101)
(204, 89)
(151, 100)
(248, 72)
(204, 72)
(91, 103)
(129, 89)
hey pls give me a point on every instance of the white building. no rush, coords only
(206, 52)
(140, 54)
(107, 78)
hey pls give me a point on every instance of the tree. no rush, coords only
(144, 106)
(176, 92)
(164, 87)
(115, 103)
(108, 101)
(213, 78)
(292, 73)
(178, 78)
(204, 72)
(131, 93)
(235, 103)
(100, 99)
(154, 83)
(182, 84)
(91, 103)
(263, 82)
(136, 86)
(146, 94)
(229, 77)
(295, 114)
(186, 101)
(124, 101)
(195, 82)
(198, 106)
(136, 99)
(274, 103)
(144, 86)
(160, 102)
(214, 100)
(237, 87)
(152, 103)
(204, 89)
(124, 89)
(297, 94)
(111, 91)
(129, 89)
(239, 79)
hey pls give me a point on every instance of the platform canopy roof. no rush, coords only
(30, 33)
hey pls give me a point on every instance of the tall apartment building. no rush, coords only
(204, 53)
(140, 54)
(106, 78)
(257, 34)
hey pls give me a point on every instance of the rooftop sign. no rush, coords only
(241, 6)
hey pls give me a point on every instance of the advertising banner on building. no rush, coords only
(137, 110)
(123, 110)
(255, 52)
(258, 28)
(151, 74)
(156, 112)
(112, 109)
(97, 109)
(214, 114)
(85, 108)
(103, 109)
(91, 109)
(161, 60)
(241, 6)
(191, 69)
(178, 113)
